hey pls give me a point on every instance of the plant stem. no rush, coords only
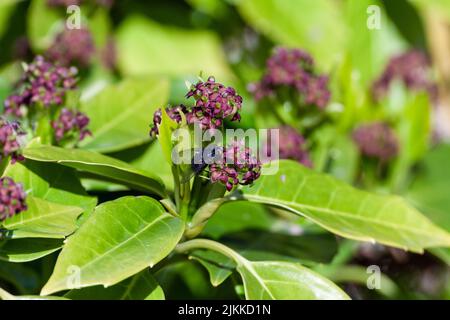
(211, 245)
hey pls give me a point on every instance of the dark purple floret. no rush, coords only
(10, 144)
(294, 69)
(376, 140)
(71, 123)
(12, 198)
(412, 68)
(213, 104)
(291, 146)
(237, 166)
(41, 83)
(72, 47)
(175, 113)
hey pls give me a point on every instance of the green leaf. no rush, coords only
(148, 156)
(54, 183)
(346, 211)
(6, 9)
(165, 131)
(43, 219)
(219, 267)
(142, 286)
(145, 47)
(429, 191)
(370, 50)
(24, 250)
(120, 114)
(301, 23)
(273, 280)
(358, 275)
(414, 131)
(120, 238)
(270, 280)
(4, 295)
(98, 165)
(43, 23)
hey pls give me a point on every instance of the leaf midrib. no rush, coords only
(291, 205)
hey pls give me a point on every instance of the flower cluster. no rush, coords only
(41, 83)
(294, 69)
(236, 165)
(175, 113)
(376, 140)
(10, 144)
(72, 47)
(291, 145)
(70, 123)
(411, 68)
(12, 198)
(213, 104)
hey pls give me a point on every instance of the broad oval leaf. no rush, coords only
(54, 183)
(301, 23)
(43, 219)
(120, 114)
(346, 211)
(24, 250)
(97, 165)
(268, 280)
(145, 47)
(141, 286)
(219, 266)
(278, 280)
(119, 239)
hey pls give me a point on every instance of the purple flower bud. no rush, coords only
(10, 143)
(12, 198)
(376, 140)
(213, 104)
(72, 47)
(173, 112)
(41, 83)
(412, 68)
(236, 166)
(293, 68)
(291, 145)
(70, 123)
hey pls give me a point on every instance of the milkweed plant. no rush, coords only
(286, 183)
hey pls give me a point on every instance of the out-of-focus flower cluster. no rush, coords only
(10, 143)
(12, 198)
(72, 47)
(41, 83)
(376, 140)
(44, 84)
(412, 68)
(71, 123)
(235, 165)
(291, 145)
(213, 104)
(293, 68)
